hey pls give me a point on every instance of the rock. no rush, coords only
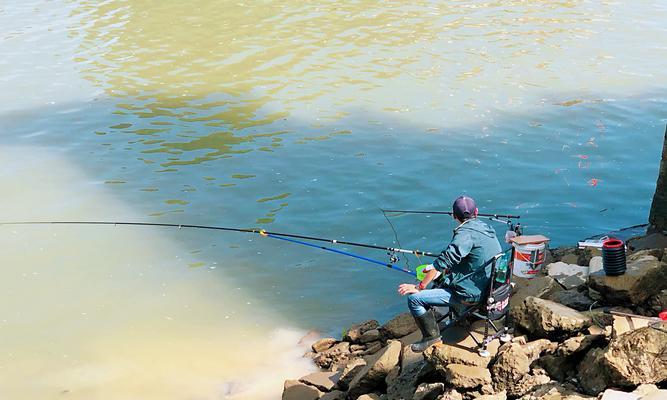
(459, 348)
(354, 333)
(451, 394)
(645, 277)
(466, 376)
(349, 371)
(409, 357)
(295, 390)
(578, 344)
(595, 265)
(496, 396)
(429, 391)
(337, 354)
(659, 302)
(323, 344)
(534, 349)
(631, 359)
(611, 394)
(511, 364)
(568, 275)
(324, 381)
(554, 391)
(373, 347)
(371, 335)
(369, 396)
(527, 384)
(540, 286)
(649, 391)
(573, 255)
(573, 299)
(333, 395)
(404, 385)
(401, 325)
(544, 318)
(376, 369)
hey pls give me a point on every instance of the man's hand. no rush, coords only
(407, 288)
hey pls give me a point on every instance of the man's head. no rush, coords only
(464, 208)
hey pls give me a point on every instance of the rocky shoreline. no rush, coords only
(566, 344)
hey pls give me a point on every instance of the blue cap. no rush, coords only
(464, 208)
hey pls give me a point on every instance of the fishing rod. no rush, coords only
(506, 216)
(262, 232)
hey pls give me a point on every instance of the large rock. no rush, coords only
(545, 318)
(333, 395)
(526, 384)
(451, 394)
(541, 286)
(429, 391)
(401, 325)
(514, 363)
(554, 391)
(511, 364)
(324, 381)
(466, 376)
(569, 276)
(573, 299)
(563, 362)
(370, 335)
(645, 277)
(459, 348)
(350, 370)
(337, 354)
(402, 386)
(323, 344)
(353, 335)
(376, 369)
(633, 358)
(295, 390)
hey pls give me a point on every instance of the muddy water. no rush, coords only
(296, 117)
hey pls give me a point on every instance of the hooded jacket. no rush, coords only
(472, 248)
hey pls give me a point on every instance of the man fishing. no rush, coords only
(462, 270)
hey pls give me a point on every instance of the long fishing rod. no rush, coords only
(227, 229)
(507, 216)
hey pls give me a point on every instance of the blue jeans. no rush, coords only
(420, 302)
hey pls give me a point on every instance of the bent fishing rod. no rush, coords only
(262, 232)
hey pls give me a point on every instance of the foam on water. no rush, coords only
(110, 312)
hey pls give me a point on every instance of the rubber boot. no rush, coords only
(430, 332)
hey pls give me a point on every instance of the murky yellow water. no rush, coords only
(116, 313)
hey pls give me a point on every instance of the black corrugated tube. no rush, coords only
(613, 257)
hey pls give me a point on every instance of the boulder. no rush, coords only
(337, 354)
(569, 276)
(295, 390)
(429, 391)
(541, 286)
(466, 376)
(376, 369)
(545, 318)
(401, 325)
(496, 396)
(404, 384)
(353, 335)
(333, 395)
(349, 371)
(323, 344)
(324, 381)
(371, 335)
(510, 366)
(526, 384)
(409, 357)
(555, 391)
(459, 348)
(369, 396)
(611, 394)
(373, 347)
(567, 356)
(633, 358)
(573, 299)
(451, 394)
(644, 278)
